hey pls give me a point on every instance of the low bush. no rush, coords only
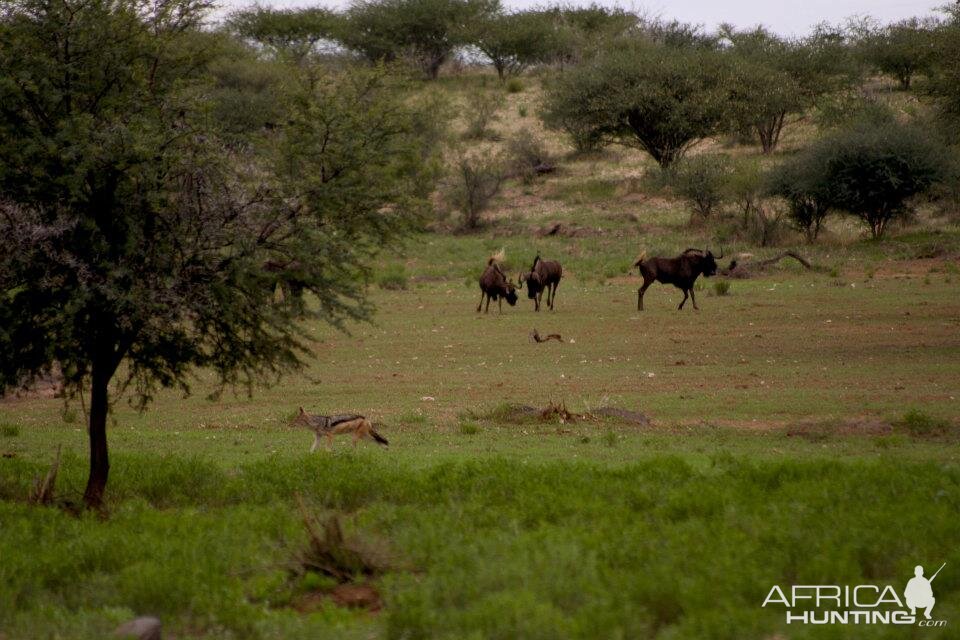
(527, 156)
(919, 424)
(481, 112)
(874, 173)
(702, 181)
(473, 183)
(469, 427)
(392, 277)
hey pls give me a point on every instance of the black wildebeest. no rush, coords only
(544, 275)
(681, 272)
(495, 286)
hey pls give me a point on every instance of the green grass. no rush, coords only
(779, 449)
(517, 527)
(392, 276)
(487, 548)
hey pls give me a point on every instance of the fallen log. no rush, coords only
(747, 269)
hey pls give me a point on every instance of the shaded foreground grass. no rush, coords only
(496, 548)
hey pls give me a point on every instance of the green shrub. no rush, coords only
(474, 182)
(69, 415)
(875, 172)
(918, 424)
(721, 287)
(701, 181)
(9, 430)
(522, 110)
(800, 181)
(525, 154)
(610, 438)
(481, 112)
(514, 85)
(469, 427)
(392, 277)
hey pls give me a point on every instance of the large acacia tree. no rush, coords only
(776, 78)
(513, 41)
(425, 32)
(294, 33)
(136, 245)
(662, 99)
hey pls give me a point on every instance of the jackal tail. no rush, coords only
(379, 438)
(640, 259)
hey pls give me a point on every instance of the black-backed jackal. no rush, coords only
(330, 426)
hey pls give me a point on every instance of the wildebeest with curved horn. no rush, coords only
(494, 284)
(544, 275)
(681, 272)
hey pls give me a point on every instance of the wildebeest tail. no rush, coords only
(497, 257)
(379, 438)
(640, 259)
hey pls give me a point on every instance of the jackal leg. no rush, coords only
(316, 441)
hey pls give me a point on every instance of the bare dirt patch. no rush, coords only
(363, 595)
(817, 431)
(559, 414)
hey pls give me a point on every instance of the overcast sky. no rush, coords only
(787, 18)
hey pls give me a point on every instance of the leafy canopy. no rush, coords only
(134, 230)
(657, 98)
(424, 31)
(874, 173)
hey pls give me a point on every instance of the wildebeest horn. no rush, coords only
(695, 250)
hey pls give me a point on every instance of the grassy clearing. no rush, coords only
(782, 449)
(804, 428)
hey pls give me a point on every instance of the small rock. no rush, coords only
(142, 628)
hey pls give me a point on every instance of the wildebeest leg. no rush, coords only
(487, 310)
(536, 300)
(694, 299)
(682, 301)
(553, 295)
(640, 292)
(479, 306)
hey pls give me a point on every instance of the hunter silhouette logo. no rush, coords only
(860, 604)
(919, 593)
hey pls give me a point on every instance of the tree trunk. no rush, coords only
(99, 462)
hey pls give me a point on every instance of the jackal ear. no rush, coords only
(302, 411)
